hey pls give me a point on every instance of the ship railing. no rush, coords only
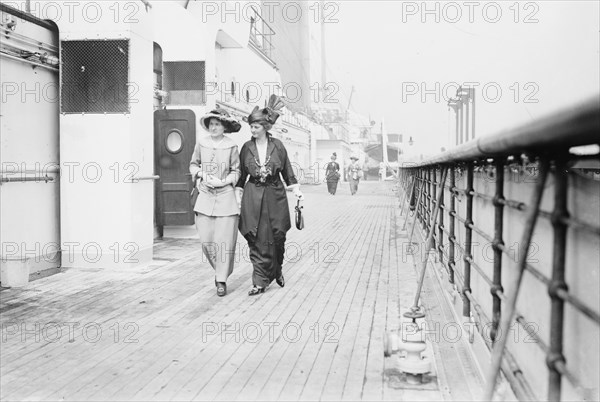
(517, 214)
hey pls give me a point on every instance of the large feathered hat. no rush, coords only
(230, 123)
(270, 114)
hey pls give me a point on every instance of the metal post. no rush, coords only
(452, 219)
(414, 310)
(496, 245)
(462, 122)
(422, 189)
(441, 227)
(473, 113)
(555, 354)
(433, 196)
(427, 216)
(467, 120)
(511, 300)
(457, 126)
(419, 214)
(468, 243)
(407, 196)
(410, 200)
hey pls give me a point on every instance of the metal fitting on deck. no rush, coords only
(411, 340)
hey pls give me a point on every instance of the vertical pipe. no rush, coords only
(411, 200)
(456, 128)
(433, 224)
(420, 198)
(473, 113)
(555, 354)
(497, 244)
(467, 119)
(429, 191)
(412, 231)
(428, 244)
(407, 196)
(441, 226)
(452, 219)
(462, 122)
(511, 300)
(468, 236)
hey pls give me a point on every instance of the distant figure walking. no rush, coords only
(216, 165)
(332, 174)
(354, 174)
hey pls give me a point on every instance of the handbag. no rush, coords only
(194, 196)
(299, 217)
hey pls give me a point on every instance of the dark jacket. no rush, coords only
(270, 191)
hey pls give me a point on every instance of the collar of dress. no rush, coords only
(270, 146)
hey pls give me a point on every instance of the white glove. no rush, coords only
(298, 193)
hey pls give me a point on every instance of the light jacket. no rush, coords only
(222, 161)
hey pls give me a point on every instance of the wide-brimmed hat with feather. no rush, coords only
(270, 114)
(230, 123)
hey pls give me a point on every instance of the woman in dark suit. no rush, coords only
(264, 214)
(332, 174)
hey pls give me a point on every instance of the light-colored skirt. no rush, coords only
(218, 235)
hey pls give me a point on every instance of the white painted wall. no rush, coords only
(108, 220)
(29, 128)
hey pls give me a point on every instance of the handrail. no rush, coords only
(545, 144)
(24, 179)
(28, 17)
(571, 127)
(140, 178)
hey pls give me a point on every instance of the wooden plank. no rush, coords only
(261, 378)
(371, 386)
(347, 315)
(298, 373)
(172, 302)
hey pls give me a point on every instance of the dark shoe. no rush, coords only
(280, 281)
(256, 290)
(221, 289)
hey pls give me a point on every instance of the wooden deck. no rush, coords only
(159, 332)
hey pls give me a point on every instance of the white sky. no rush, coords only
(386, 51)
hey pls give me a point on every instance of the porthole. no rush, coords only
(174, 141)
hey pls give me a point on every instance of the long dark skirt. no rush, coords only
(353, 185)
(267, 249)
(332, 186)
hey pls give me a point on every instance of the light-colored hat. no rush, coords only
(230, 123)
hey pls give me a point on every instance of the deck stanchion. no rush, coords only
(452, 219)
(497, 245)
(412, 230)
(433, 224)
(555, 354)
(441, 226)
(427, 215)
(405, 197)
(415, 311)
(468, 257)
(511, 300)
